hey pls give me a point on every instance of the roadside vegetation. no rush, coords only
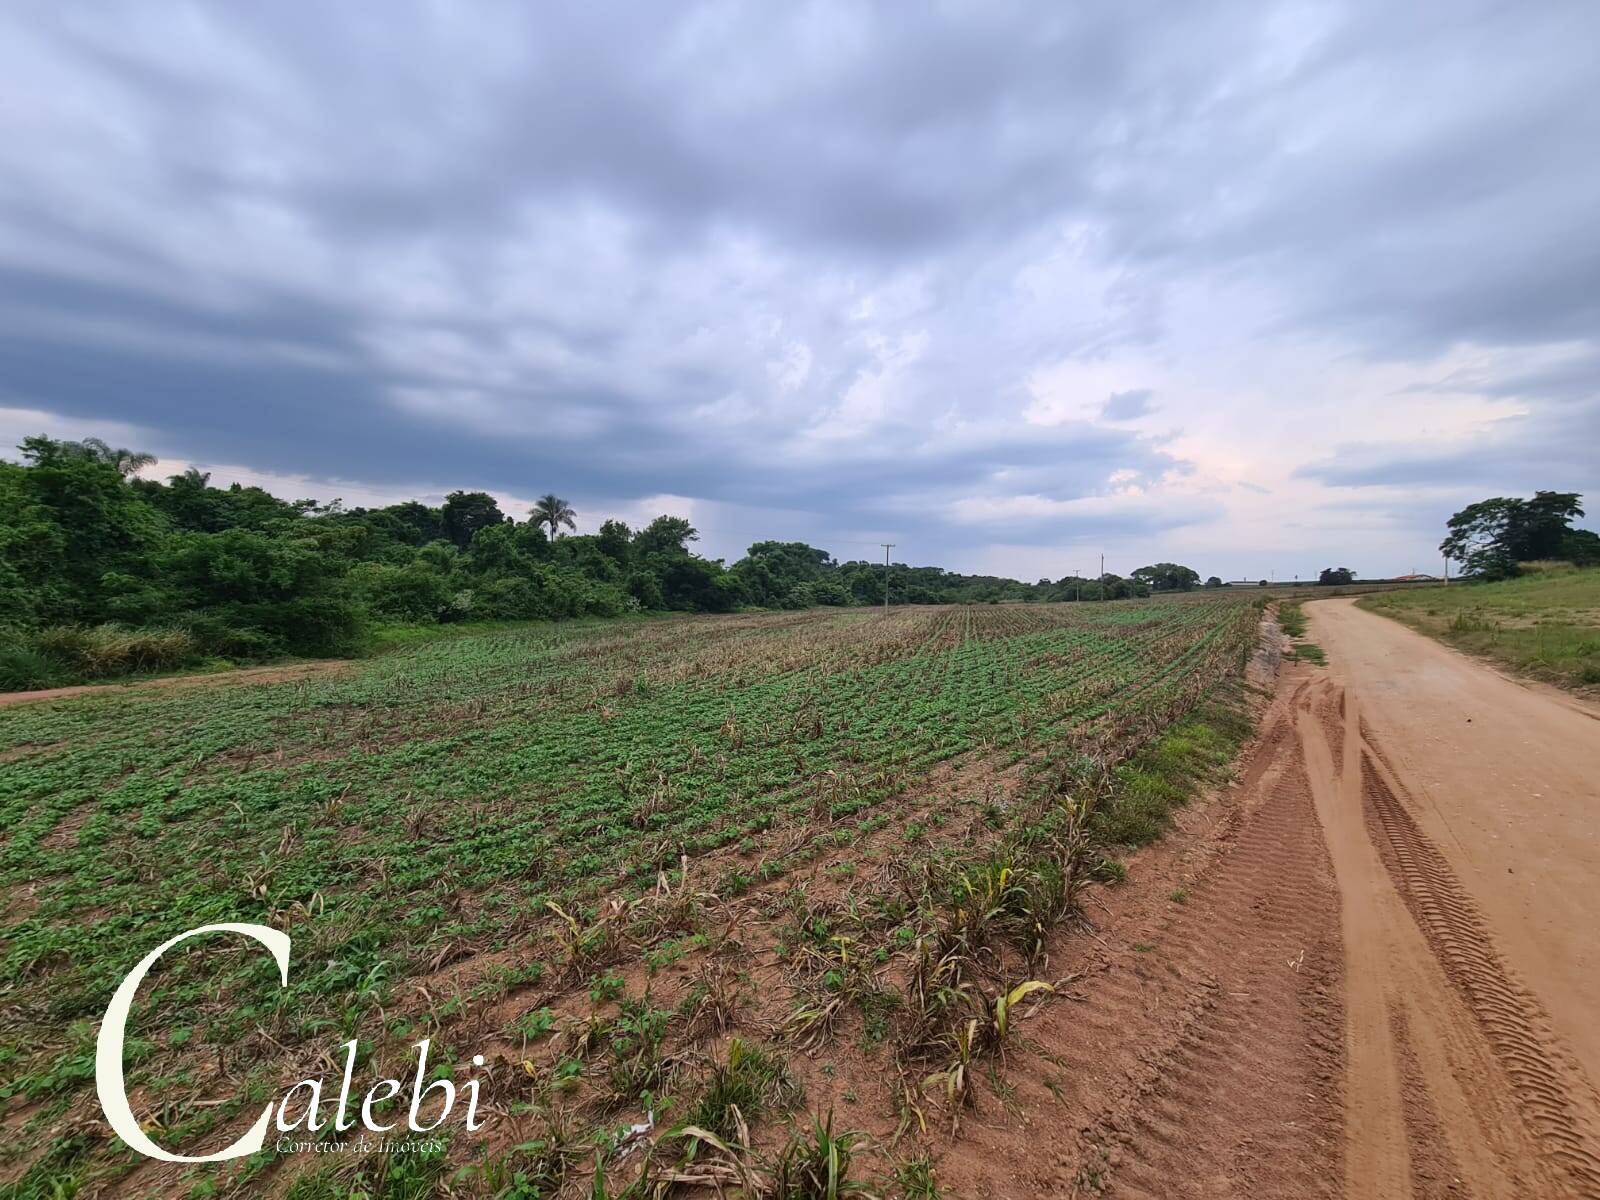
(1292, 620)
(756, 902)
(1544, 622)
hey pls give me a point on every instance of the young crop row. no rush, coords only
(444, 803)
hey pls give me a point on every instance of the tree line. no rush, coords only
(102, 571)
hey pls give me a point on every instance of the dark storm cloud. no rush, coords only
(801, 257)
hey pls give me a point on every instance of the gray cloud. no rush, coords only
(804, 260)
(1126, 406)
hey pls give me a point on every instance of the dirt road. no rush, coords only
(1461, 811)
(1383, 981)
(278, 674)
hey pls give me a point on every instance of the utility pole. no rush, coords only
(887, 546)
(1077, 585)
(1102, 577)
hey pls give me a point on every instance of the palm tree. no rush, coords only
(127, 462)
(553, 512)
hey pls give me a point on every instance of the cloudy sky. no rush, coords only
(1258, 287)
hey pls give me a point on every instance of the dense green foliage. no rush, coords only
(102, 572)
(1490, 538)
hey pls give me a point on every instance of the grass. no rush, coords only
(71, 654)
(749, 1083)
(1545, 623)
(1292, 619)
(552, 809)
(1161, 777)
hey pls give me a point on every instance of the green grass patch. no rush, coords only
(1194, 752)
(751, 1080)
(1292, 619)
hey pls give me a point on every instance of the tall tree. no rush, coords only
(665, 535)
(1491, 537)
(552, 512)
(615, 540)
(465, 513)
(127, 462)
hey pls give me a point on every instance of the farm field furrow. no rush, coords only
(536, 822)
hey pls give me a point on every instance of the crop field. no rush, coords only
(788, 882)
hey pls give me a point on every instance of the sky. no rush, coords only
(1256, 287)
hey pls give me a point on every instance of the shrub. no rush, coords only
(413, 593)
(110, 650)
(22, 668)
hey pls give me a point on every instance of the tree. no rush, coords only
(467, 512)
(125, 462)
(417, 523)
(615, 540)
(553, 512)
(1336, 575)
(665, 535)
(1214, 581)
(1491, 537)
(1167, 577)
(1581, 546)
(72, 521)
(778, 574)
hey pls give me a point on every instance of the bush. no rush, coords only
(214, 635)
(22, 668)
(110, 650)
(413, 593)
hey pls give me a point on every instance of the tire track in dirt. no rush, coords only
(1235, 1003)
(1399, 1055)
(1544, 1080)
(1455, 1084)
(1434, 1171)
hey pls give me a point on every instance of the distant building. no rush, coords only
(1415, 579)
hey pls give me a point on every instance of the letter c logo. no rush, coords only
(108, 1050)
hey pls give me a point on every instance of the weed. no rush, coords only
(711, 1005)
(749, 1084)
(815, 1165)
(1292, 619)
(637, 1067)
(916, 1180)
